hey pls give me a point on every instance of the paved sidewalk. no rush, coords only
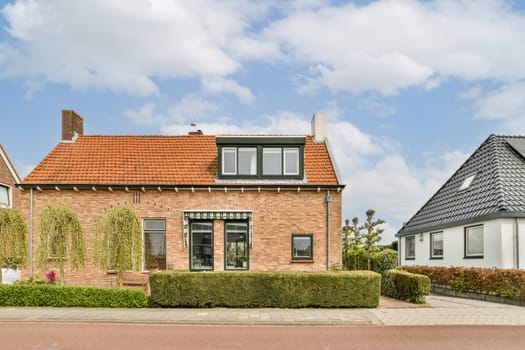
(438, 311)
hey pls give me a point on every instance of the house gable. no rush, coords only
(495, 173)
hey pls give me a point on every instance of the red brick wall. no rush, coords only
(276, 215)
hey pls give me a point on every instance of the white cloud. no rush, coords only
(507, 104)
(218, 85)
(122, 46)
(386, 46)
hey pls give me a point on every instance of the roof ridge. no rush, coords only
(500, 193)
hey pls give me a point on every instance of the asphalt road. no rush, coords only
(54, 336)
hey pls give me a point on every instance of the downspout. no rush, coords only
(328, 201)
(517, 223)
(399, 251)
(31, 233)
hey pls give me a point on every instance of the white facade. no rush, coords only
(503, 246)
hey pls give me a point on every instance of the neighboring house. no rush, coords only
(206, 202)
(9, 194)
(477, 218)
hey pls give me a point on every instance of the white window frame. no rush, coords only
(9, 203)
(407, 239)
(229, 150)
(296, 150)
(466, 239)
(432, 255)
(253, 166)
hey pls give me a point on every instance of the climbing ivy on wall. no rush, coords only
(61, 239)
(118, 241)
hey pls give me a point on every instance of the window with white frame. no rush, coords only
(291, 161)
(474, 242)
(272, 162)
(4, 196)
(436, 245)
(410, 248)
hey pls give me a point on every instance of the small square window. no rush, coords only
(467, 182)
(436, 245)
(302, 247)
(410, 248)
(474, 242)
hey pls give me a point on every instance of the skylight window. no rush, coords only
(467, 182)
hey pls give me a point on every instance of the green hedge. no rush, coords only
(507, 283)
(380, 261)
(69, 296)
(404, 285)
(265, 289)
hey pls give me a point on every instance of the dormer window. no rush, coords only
(261, 157)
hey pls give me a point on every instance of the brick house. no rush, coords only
(9, 194)
(206, 202)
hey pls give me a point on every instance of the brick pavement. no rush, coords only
(438, 311)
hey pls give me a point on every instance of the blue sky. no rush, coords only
(411, 87)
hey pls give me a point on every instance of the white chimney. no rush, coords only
(319, 127)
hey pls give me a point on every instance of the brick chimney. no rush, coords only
(72, 126)
(319, 133)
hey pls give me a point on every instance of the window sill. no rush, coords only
(436, 258)
(473, 257)
(410, 258)
(306, 261)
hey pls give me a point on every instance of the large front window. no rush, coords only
(154, 244)
(201, 245)
(236, 247)
(436, 245)
(4, 196)
(474, 242)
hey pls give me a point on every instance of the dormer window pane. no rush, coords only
(291, 161)
(229, 161)
(247, 161)
(467, 182)
(272, 161)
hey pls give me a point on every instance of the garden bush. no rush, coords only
(265, 289)
(384, 260)
(69, 296)
(404, 285)
(507, 283)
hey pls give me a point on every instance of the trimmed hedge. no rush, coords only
(404, 285)
(506, 283)
(69, 296)
(265, 289)
(380, 261)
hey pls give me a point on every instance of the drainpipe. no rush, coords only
(517, 223)
(31, 233)
(328, 201)
(399, 251)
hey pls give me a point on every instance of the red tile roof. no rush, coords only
(152, 160)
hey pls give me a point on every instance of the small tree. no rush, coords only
(352, 243)
(118, 241)
(372, 234)
(13, 243)
(61, 239)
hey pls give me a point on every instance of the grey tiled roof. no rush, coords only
(498, 188)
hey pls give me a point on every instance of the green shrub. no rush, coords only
(508, 283)
(355, 261)
(404, 285)
(68, 296)
(265, 289)
(384, 260)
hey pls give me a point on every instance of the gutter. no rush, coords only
(328, 200)
(31, 233)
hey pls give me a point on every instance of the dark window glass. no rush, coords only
(236, 249)
(201, 246)
(410, 247)
(302, 247)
